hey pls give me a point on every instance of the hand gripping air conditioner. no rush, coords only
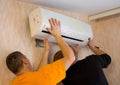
(73, 31)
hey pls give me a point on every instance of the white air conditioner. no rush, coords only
(73, 31)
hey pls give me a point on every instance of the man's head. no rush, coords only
(58, 55)
(17, 61)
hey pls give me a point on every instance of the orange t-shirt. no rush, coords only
(50, 74)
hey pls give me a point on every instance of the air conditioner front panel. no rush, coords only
(72, 30)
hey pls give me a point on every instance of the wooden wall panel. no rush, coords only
(15, 34)
(107, 36)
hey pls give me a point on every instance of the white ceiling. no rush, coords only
(87, 7)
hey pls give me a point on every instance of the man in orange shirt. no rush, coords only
(49, 74)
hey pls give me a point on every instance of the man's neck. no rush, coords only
(23, 72)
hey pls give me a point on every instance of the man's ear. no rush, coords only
(25, 61)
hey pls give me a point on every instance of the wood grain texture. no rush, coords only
(15, 34)
(107, 36)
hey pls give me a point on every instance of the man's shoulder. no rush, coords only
(54, 72)
(53, 65)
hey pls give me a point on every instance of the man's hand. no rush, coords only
(47, 45)
(55, 27)
(94, 49)
(91, 43)
(75, 49)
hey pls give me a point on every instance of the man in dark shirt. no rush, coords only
(88, 71)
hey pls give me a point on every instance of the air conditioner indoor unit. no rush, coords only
(73, 31)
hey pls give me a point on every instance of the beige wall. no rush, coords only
(15, 34)
(107, 36)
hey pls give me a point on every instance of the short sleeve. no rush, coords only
(104, 60)
(54, 72)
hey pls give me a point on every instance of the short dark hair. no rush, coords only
(58, 55)
(14, 61)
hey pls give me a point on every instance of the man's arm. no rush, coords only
(66, 50)
(103, 58)
(94, 48)
(44, 59)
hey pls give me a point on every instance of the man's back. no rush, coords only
(88, 71)
(50, 74)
